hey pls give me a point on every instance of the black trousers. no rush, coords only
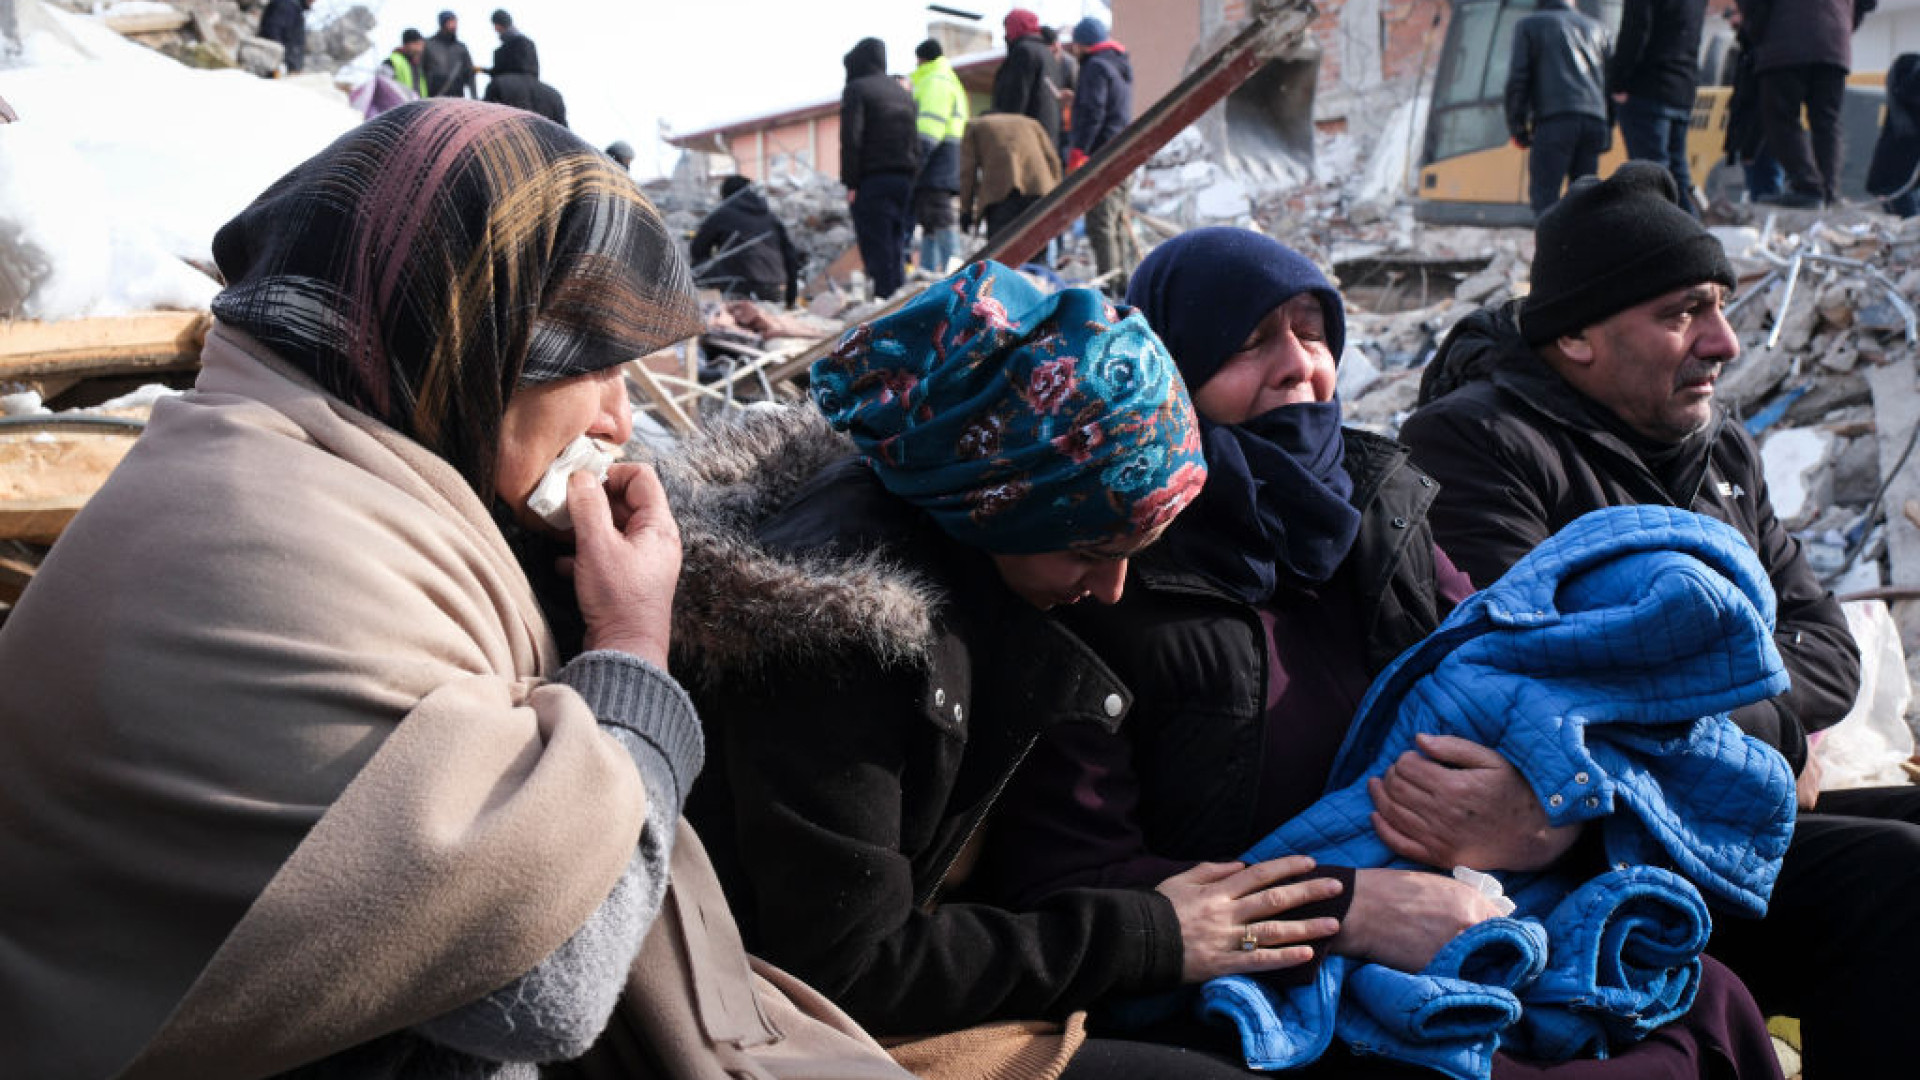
(882, 220)
(1812, 164)
(1564, 148)
(1002, 214)
(1840, 944)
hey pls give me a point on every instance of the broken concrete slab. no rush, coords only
(1797, 473)
(1896, 405)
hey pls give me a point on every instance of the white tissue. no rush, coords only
(1486, 885)
(549, 498)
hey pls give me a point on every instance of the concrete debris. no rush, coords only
(224, 33)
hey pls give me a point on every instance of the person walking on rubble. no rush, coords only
(449, 63)
(1006, 165)
(1651, 77)
(1025, 83)
(1102, 109)
(1556, 98)
(362, 767)
(879, 642)
(941, 104)
(879, 155)
(1803, 51)
(1598, 390)
(285, 21)
(743, 250)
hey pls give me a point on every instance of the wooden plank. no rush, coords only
(146, 22)
(663, 402)
(152, 341)
(1896, 412)
(46, 476)
(14, 576)
(39, 521)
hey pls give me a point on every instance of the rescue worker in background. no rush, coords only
(941, 103)
(449, 64)
(621, 151)
(1557, 105)
(1007, 164)
(1102, 109)
(743, 250)
(515, 48)
(1652, 77)
(405, 62)
(878, 160)
(1025, 82)
(285, 21)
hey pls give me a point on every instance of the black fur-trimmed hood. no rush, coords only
(742, 607)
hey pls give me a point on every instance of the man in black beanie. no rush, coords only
(1597, 390)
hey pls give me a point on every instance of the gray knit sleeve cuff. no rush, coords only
(627, 692)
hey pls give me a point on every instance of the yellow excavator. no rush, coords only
(1470, 173)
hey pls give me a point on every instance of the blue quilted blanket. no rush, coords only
(1602, 665)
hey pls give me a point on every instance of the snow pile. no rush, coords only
(124, 163)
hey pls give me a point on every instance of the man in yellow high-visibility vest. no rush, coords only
(941, 103)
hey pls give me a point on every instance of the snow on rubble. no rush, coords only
(124, 163)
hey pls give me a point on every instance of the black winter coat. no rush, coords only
(1025, 84)
(1184, 785)
(1520, 454)
(766, 268)
(523, 91)
(878, 120)
(1103, 105)
(868, 686)
(1558, 68)
(1896, 154)
(1791, 33)
(1657, 55)
(516, 52)
(449, 67)
(285, 21)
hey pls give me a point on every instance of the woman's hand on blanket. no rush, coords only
(626, 560)
(1221, 905)
(1400, 918)
(1453, 802)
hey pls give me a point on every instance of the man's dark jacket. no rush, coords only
(878, 132)
(1558, 68)
(1520, 453)
(1103, 105)
(1024, 84)
(850, 761)
(516, 52)
(449, 66)
(766, 268)
(1793, 33)
(513, 84)
(285, 21)
(1657, 55)
(1896, 154)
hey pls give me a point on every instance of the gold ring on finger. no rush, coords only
(1249, 940)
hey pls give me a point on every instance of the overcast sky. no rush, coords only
(626, 66)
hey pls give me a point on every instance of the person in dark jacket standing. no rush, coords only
(1025, 83)
(515, 81)
(743, 250)
(1102, 109)
(1894, 172)
(1250, 636)
(449, 64)
(1556, 97)
(1803, 53)
(879, 155)
(516, 51)
(1652, 78)
(881, 647)
(1598, 392)
(285, 21)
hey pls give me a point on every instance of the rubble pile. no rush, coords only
(224, 33)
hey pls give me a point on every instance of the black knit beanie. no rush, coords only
(1611, 244)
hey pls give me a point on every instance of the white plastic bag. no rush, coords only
(1866, 748)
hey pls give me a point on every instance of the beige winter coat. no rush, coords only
(282, 774)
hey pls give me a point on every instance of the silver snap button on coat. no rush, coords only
(1112, 704)
(939, 697)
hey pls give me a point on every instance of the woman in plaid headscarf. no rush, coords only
(303, 766)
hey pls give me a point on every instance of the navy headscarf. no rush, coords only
(1275, 509)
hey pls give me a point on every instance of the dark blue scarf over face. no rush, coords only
(1275, 510)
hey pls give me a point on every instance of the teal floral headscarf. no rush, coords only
(1022, 422)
